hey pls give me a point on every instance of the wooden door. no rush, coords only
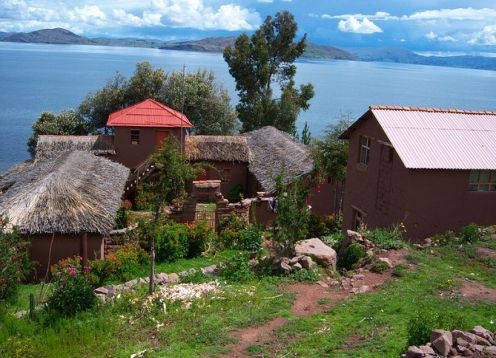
(160, 138)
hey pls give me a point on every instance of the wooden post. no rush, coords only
(83, 240)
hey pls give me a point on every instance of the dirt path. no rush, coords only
(307, 302)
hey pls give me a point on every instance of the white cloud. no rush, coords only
(459, 14)
(379, 15)
(27, 15)
(352, 24)
(435, 37)
(487, 36)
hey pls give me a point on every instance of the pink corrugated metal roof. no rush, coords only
(148, 113)
(429, 138)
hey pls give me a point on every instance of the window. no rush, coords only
(226, 175)
(364, 150)
(482, 180)
(135, 136)
(358, 219)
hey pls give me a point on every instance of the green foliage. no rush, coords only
(334, 240)
(351, 256)
(201, 235)
(144, 197)
(236, 233)
(204, 101)
(304, 275)
(264, 59)
(319, 226)
(426, 319)
(470, 233)
(234, 194)
(66, 122)
(331, 153)
(292, 219)
(400, 270)
(306, 135)
(73, 288)
(387, 239)
(121, 220)
(15, 265)
(123, 264)
(379, 266)
(172, 242)
(237, 269)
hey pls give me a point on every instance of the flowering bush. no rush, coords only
(237, 233)
(122, 265)
(319, 226)
(172, 242)
(14, 261)
(200, 236)
(74, 286)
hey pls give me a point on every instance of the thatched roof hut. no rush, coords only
(70, 193)
(217, 148)
(277, 153)
(52, 145)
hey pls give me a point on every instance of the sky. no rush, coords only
(421, 25)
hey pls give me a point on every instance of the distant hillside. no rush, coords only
(217, 44)
(51, 36)
(398, 55)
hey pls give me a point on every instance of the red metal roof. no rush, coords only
(148, 113)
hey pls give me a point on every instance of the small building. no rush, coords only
(64, 203)
(140, 129)
(431, 169)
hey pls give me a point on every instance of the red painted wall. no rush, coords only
(238, 175)
(426, 201)
(63, 246)
(131, 155)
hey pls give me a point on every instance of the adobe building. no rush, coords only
(431, 169)
(140, 129)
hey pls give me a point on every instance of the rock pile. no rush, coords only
(161, 279)
(318, 251)
(286, 264)
(479, 343)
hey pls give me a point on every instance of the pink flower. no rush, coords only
(87, 268)
(72, 271)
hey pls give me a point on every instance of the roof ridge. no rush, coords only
(430, 109)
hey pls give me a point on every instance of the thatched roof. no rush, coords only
(52, 145)
(277, 153)
(217, 148)
(70, 193)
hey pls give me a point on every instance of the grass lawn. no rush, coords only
(375, 324)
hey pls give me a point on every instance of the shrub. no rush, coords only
(200, 237)
(14, 261)
(400, 270)
(172, 242)
(388, 239)
(305, 275)
(73, 290)
(234, 195)
(236, 233)
(230, 227)
(144, 198)
(351, 256)
(122, 218)
(334, 240)
(237, 269)
(319, 226)
(379, 266)
(250, 239)
(428, 318)
(122, 265)
(470, 233)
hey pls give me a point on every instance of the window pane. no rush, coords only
(483, 187)
(493, 187)
(493, 177)
(472, 187)
(474, 176)
(484, 176)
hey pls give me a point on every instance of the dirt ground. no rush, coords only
(307, 301)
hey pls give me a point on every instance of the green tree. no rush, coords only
(306, 135)
(330, 152)
(264, 59)
(66, 122)
(173, 173)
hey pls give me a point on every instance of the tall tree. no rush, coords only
(66, 122)
(264, 59)
(306, 135)
(173, 173)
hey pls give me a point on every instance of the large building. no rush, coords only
(431, 169)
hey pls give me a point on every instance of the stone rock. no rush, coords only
(173, 278)
(306, 262)
(361, 289)
(295, 260)
(484, 333)
(322, 284)
(427, 350)
(414, 352)
(131, 283)
(317, 250)
(209, 270)
(442, 341)
(284, 266)
(297, 266)
(386, 260)
(482, 341)
(101, 297)
(161, 278)
(101, 291)
(460, 342)
(466, 336)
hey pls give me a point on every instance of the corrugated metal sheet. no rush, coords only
(427, 138)
(148, 113)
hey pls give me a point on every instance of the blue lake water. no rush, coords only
(36, 78)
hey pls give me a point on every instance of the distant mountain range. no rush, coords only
(217, 44)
